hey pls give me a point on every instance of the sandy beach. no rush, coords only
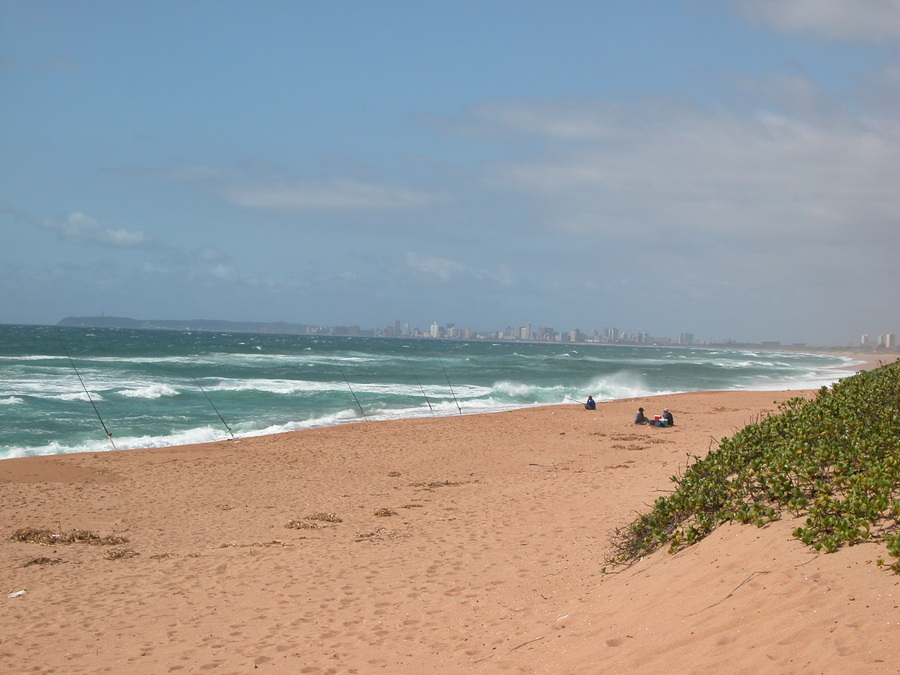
(471, 544)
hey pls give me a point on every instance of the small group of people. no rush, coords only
(664, 420)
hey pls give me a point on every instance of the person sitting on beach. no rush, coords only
(639, 417)
(591, 404)
(667, 416)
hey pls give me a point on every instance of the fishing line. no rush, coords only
(449, 385)
(94, 405)
(351, 391)
(215, 408)
(419, 382)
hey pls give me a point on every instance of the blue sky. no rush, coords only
(725, 168)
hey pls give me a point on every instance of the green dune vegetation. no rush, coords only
(834, 458)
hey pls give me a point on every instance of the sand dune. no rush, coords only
(471, 544)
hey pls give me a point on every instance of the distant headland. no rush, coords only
(277, 327)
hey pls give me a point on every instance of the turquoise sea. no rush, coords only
(59, 386)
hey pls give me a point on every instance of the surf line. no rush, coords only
(200, 387)
(351, 391)
(94, 405)
(447, 377)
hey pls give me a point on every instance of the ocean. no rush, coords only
(62, 389)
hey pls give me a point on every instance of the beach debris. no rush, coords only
(322, 518)
(526, 643)
(120, 553)
(258, 544)
(17, 594)
(385, 512)
(43, 561)
(439, 484)
(47, 537)
(303, 525)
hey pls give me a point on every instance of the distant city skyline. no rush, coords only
(450, 330)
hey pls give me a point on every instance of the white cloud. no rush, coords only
(79, 227)
(235, 277)
(445, 270)
(855, 20)
(224, 272)
(440, 268)
(154, 269)
(329, 195)
(679, 168)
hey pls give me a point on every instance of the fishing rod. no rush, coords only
(449, 385)
(352, 392)
(94, 405)
(200, 386)
(419, 382)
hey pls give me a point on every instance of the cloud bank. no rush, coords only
(657, 167)
(853, 20)
(78, 227)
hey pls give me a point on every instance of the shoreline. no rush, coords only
(197, 424)
(857, 365)
(462, 544)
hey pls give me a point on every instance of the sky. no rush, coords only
(727, 168)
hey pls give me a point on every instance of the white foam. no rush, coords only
(150, 392)
(78, 396)
(514, 388)
(11, 400)
(623, 384)
(341, 417)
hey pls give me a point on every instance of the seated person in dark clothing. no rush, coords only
(667, 416)
(639, 417)
(591, 404)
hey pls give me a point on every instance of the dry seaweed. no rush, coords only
(321, 517)
(47, 537)
(43, 561)
(325, 517)
(438, 484)
(258, 544)
(120, 553)
(303, 525)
